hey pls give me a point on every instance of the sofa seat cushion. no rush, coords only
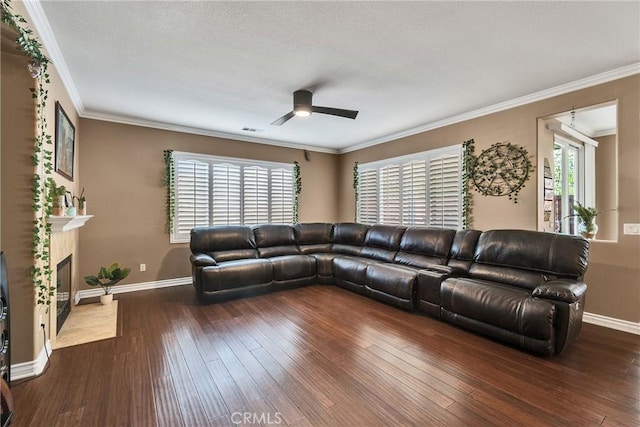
(293, 267)
(351, 269)
(504, 306)
(390, 279)
(234, 274)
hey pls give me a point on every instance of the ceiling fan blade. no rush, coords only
(349, 114)
(282, 120)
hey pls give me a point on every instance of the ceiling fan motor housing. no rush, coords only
(302, 101)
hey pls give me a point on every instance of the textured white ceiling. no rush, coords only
(222, 66)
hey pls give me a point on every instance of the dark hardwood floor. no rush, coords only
(321, 355)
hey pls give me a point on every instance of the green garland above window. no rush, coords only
(297, 182)
(356, 182)
(168, 181)
(468, 148)
(42, 199)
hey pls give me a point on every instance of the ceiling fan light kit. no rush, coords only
(303, 107)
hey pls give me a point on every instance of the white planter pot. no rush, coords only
(106, 299)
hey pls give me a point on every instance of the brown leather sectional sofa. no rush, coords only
(517, 286)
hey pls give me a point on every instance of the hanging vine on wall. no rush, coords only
(356, 182)
(502, 170)
(468, 149)
(42, 199)
(297, 182)
(168, 181)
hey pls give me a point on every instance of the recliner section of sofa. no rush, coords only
(521, 287)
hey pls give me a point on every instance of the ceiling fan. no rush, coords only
(303, 107)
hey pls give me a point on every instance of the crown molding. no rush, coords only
(605, 132)
(40, 21)
(197, 131)
(597, 79)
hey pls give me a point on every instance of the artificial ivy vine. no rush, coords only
(168, 181)
(297, 182)
(468, 149)
(41, 159)
(356, 183)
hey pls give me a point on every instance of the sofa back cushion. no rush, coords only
(313, 237)
(421, 246)
(275, 240)
(463, 249)
(224, 242)
(348, 238)
(382, 242)
(528, 258)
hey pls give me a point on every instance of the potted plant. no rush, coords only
(82, 203)
(58, 197)
(106, 278)
(586, 220)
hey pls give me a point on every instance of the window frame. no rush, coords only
(401, 161)
(242, 163)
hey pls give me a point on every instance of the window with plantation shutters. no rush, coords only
(192, 195)
(419, 189)
(211, 190)
(227, 194)
(390, 205)
(256, 195)
(444, 190)
(281, 196)
(367, 206)
(414, 192)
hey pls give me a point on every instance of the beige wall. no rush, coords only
(606, 189)
(17, 147)
(18, 131)
(614, 275)
(122, 171)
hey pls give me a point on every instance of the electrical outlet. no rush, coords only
(633, 229)
(143, 267)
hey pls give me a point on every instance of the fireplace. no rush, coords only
(63, 291)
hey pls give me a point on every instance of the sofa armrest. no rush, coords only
(202, 260)
(566, 290)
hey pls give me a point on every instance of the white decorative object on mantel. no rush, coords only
(67, 223)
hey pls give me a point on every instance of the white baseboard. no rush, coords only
(33, 367)
(612, 323)
(134, 287)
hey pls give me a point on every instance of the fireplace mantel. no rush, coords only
(67, 223)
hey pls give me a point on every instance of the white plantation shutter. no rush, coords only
(419, 189)
(445, 208)
(192, 196)
(256, 195)
(390, 204)
(211, 190)
(414, 193)
(281, 196)
(227, 197)
(367, 209)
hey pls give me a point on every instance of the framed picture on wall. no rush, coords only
(65, 143)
